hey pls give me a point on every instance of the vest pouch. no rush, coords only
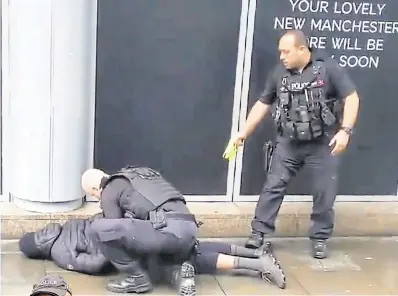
(289, 130)
(158, 219)
(304, 115)
(316, 128)
(284, 99)
(303, 131)
(327, 115)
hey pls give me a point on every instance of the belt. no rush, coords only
(180, 216)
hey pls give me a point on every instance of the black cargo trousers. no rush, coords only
(128, 243)
(288, 158)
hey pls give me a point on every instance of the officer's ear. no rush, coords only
(96, 192)
(302, 48)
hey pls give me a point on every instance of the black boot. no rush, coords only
(133, 282)
(182, 278)
(265, 248)
(319, 248)
(255, 240)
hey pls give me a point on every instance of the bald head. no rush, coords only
(91, 182)
(294, 51)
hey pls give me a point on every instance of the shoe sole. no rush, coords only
(320, 256)
(252, 246)
(140, 289)
(188, 287)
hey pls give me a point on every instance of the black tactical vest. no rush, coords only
(150, 185)
(303, 111)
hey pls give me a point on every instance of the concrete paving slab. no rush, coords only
(339, 283)
(357, 266)
(386, 276)
(10, 246)
(17, 270)
(245, 285)
(17, 290)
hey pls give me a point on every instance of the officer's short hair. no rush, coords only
(299, 37)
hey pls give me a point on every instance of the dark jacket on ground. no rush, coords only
(71, 248)
(67, 245)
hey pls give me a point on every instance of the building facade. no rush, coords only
(106, 84)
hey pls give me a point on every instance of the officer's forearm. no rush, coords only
(351, 108)
(257, 113)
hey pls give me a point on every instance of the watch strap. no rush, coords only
(348, 130)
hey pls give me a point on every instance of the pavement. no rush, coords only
(357, 266)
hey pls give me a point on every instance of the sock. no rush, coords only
(248, 263)
(242, 251)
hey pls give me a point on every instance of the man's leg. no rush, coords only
(228, 249)
(140, 238)
(324, 170)
(266, 264)
(286, 161)
(109, 235)
(119, 239)
(168, 270)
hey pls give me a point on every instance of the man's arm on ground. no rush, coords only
(82, 262)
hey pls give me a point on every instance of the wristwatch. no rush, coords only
(348, 130)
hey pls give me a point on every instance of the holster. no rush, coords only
(191, 253)
(268, 149)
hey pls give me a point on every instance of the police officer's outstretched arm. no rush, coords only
(259, 110)
(346, 90)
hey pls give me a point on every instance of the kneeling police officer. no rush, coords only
(144, 215)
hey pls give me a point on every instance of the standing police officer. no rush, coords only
(307, 90)
(145, 216)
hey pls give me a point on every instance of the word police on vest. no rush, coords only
(298, 86)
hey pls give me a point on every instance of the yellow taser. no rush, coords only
(230, 151)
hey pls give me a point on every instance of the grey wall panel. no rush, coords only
(165, 88)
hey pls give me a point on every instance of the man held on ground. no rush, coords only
(71, 248)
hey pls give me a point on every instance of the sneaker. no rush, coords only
(272, 271)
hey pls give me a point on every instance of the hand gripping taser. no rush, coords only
(230, 151)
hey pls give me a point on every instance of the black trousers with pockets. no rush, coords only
(290, 157)
(126, 242)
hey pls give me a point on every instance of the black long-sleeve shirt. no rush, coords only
(111, 195)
